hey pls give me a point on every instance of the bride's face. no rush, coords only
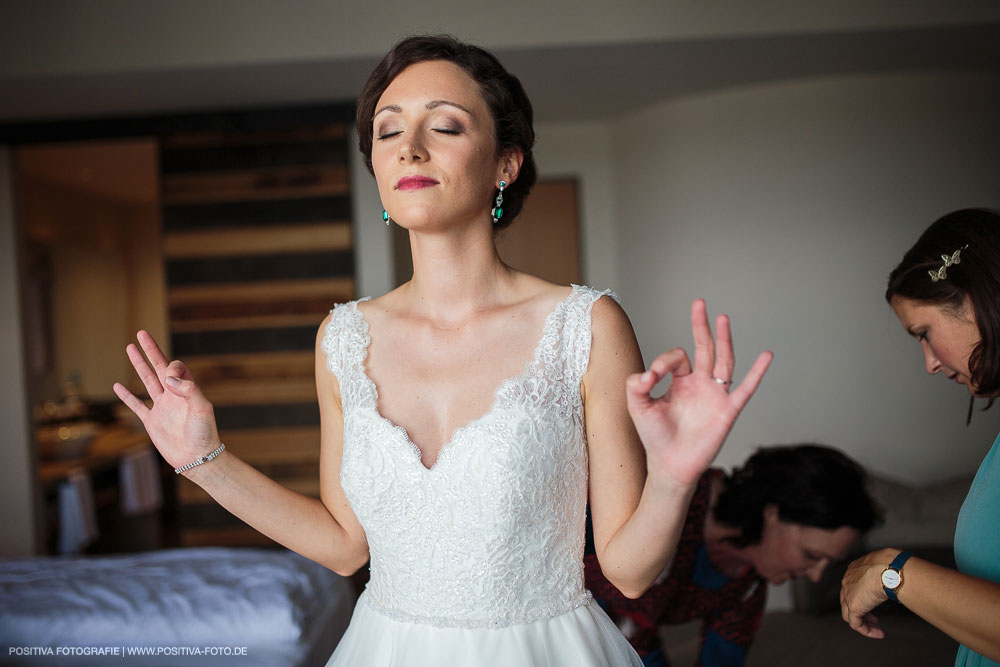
(433, 150)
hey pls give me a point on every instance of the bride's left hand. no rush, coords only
(684, 429)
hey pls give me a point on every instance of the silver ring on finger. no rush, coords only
(725, 383)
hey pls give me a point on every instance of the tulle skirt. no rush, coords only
(582, 637)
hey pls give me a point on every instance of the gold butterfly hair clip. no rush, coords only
(942, 273)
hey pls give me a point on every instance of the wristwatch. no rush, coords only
(892, 576)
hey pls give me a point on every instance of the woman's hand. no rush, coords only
(861, 591)
(181, 422)
(684, 429)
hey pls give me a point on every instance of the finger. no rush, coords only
(867, 625)
(152, 351)
(875, 631)
(746, 389)
(179, 370)
(179, 381)
(724, 360)
(149, 378)
(129, 399)
(673, 362)
(704, 345)
(638, 385)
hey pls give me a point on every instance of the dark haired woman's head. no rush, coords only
(946, 292)
(807, 484)
(795, 509)
(501, 91)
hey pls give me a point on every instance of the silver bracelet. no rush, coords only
(201, 459)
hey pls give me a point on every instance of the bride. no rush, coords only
(468, 414)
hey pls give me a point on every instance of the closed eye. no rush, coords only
(388, 135)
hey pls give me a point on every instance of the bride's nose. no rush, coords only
(412, 149)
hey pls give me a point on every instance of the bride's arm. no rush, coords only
(182, 426)
(638, 517)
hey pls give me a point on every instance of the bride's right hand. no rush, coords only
(181, 422)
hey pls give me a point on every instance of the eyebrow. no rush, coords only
(433, 104)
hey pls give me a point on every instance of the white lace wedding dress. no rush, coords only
(477, 560)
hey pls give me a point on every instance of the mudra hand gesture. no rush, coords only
(684, 429)
(181, 422)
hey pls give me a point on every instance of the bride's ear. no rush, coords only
(509, 165)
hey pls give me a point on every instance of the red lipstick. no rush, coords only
(415, 182)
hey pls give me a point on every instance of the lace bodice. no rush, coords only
(492, 534)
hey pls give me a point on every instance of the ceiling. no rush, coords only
(568, 83)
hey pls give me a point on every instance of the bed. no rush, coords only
(191, 607)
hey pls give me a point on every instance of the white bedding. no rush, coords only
(262, 607)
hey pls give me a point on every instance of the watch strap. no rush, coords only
(897, 565)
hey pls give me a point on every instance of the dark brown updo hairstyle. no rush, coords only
(502, 91)
(976, 232)
(809, 484)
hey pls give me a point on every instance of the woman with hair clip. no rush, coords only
(467, 414)
(787, 512)
(946, 294)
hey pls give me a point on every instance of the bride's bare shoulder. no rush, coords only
(384, 307)
(535, 290)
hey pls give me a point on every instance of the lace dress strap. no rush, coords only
(577, 330)
(345, 341)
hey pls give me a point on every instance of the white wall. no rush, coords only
(372, 238)
(583, 151)
(786, 206)
(18, 472)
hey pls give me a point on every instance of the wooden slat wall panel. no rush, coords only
(337, 288)
(327, 235)
(288, 444)
(255, 268)
(241, 392)
(258, 248)
(244, 341)
(246, 214)
(224, 160)
(275, 183)
(267, 415)
(292, 303)
(266, 366)
(265, 321)
(187, 140)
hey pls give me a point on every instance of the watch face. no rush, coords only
(890, 579)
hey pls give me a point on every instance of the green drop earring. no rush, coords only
(385, 217)
(497, 212)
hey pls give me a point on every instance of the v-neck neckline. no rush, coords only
(549, 323)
